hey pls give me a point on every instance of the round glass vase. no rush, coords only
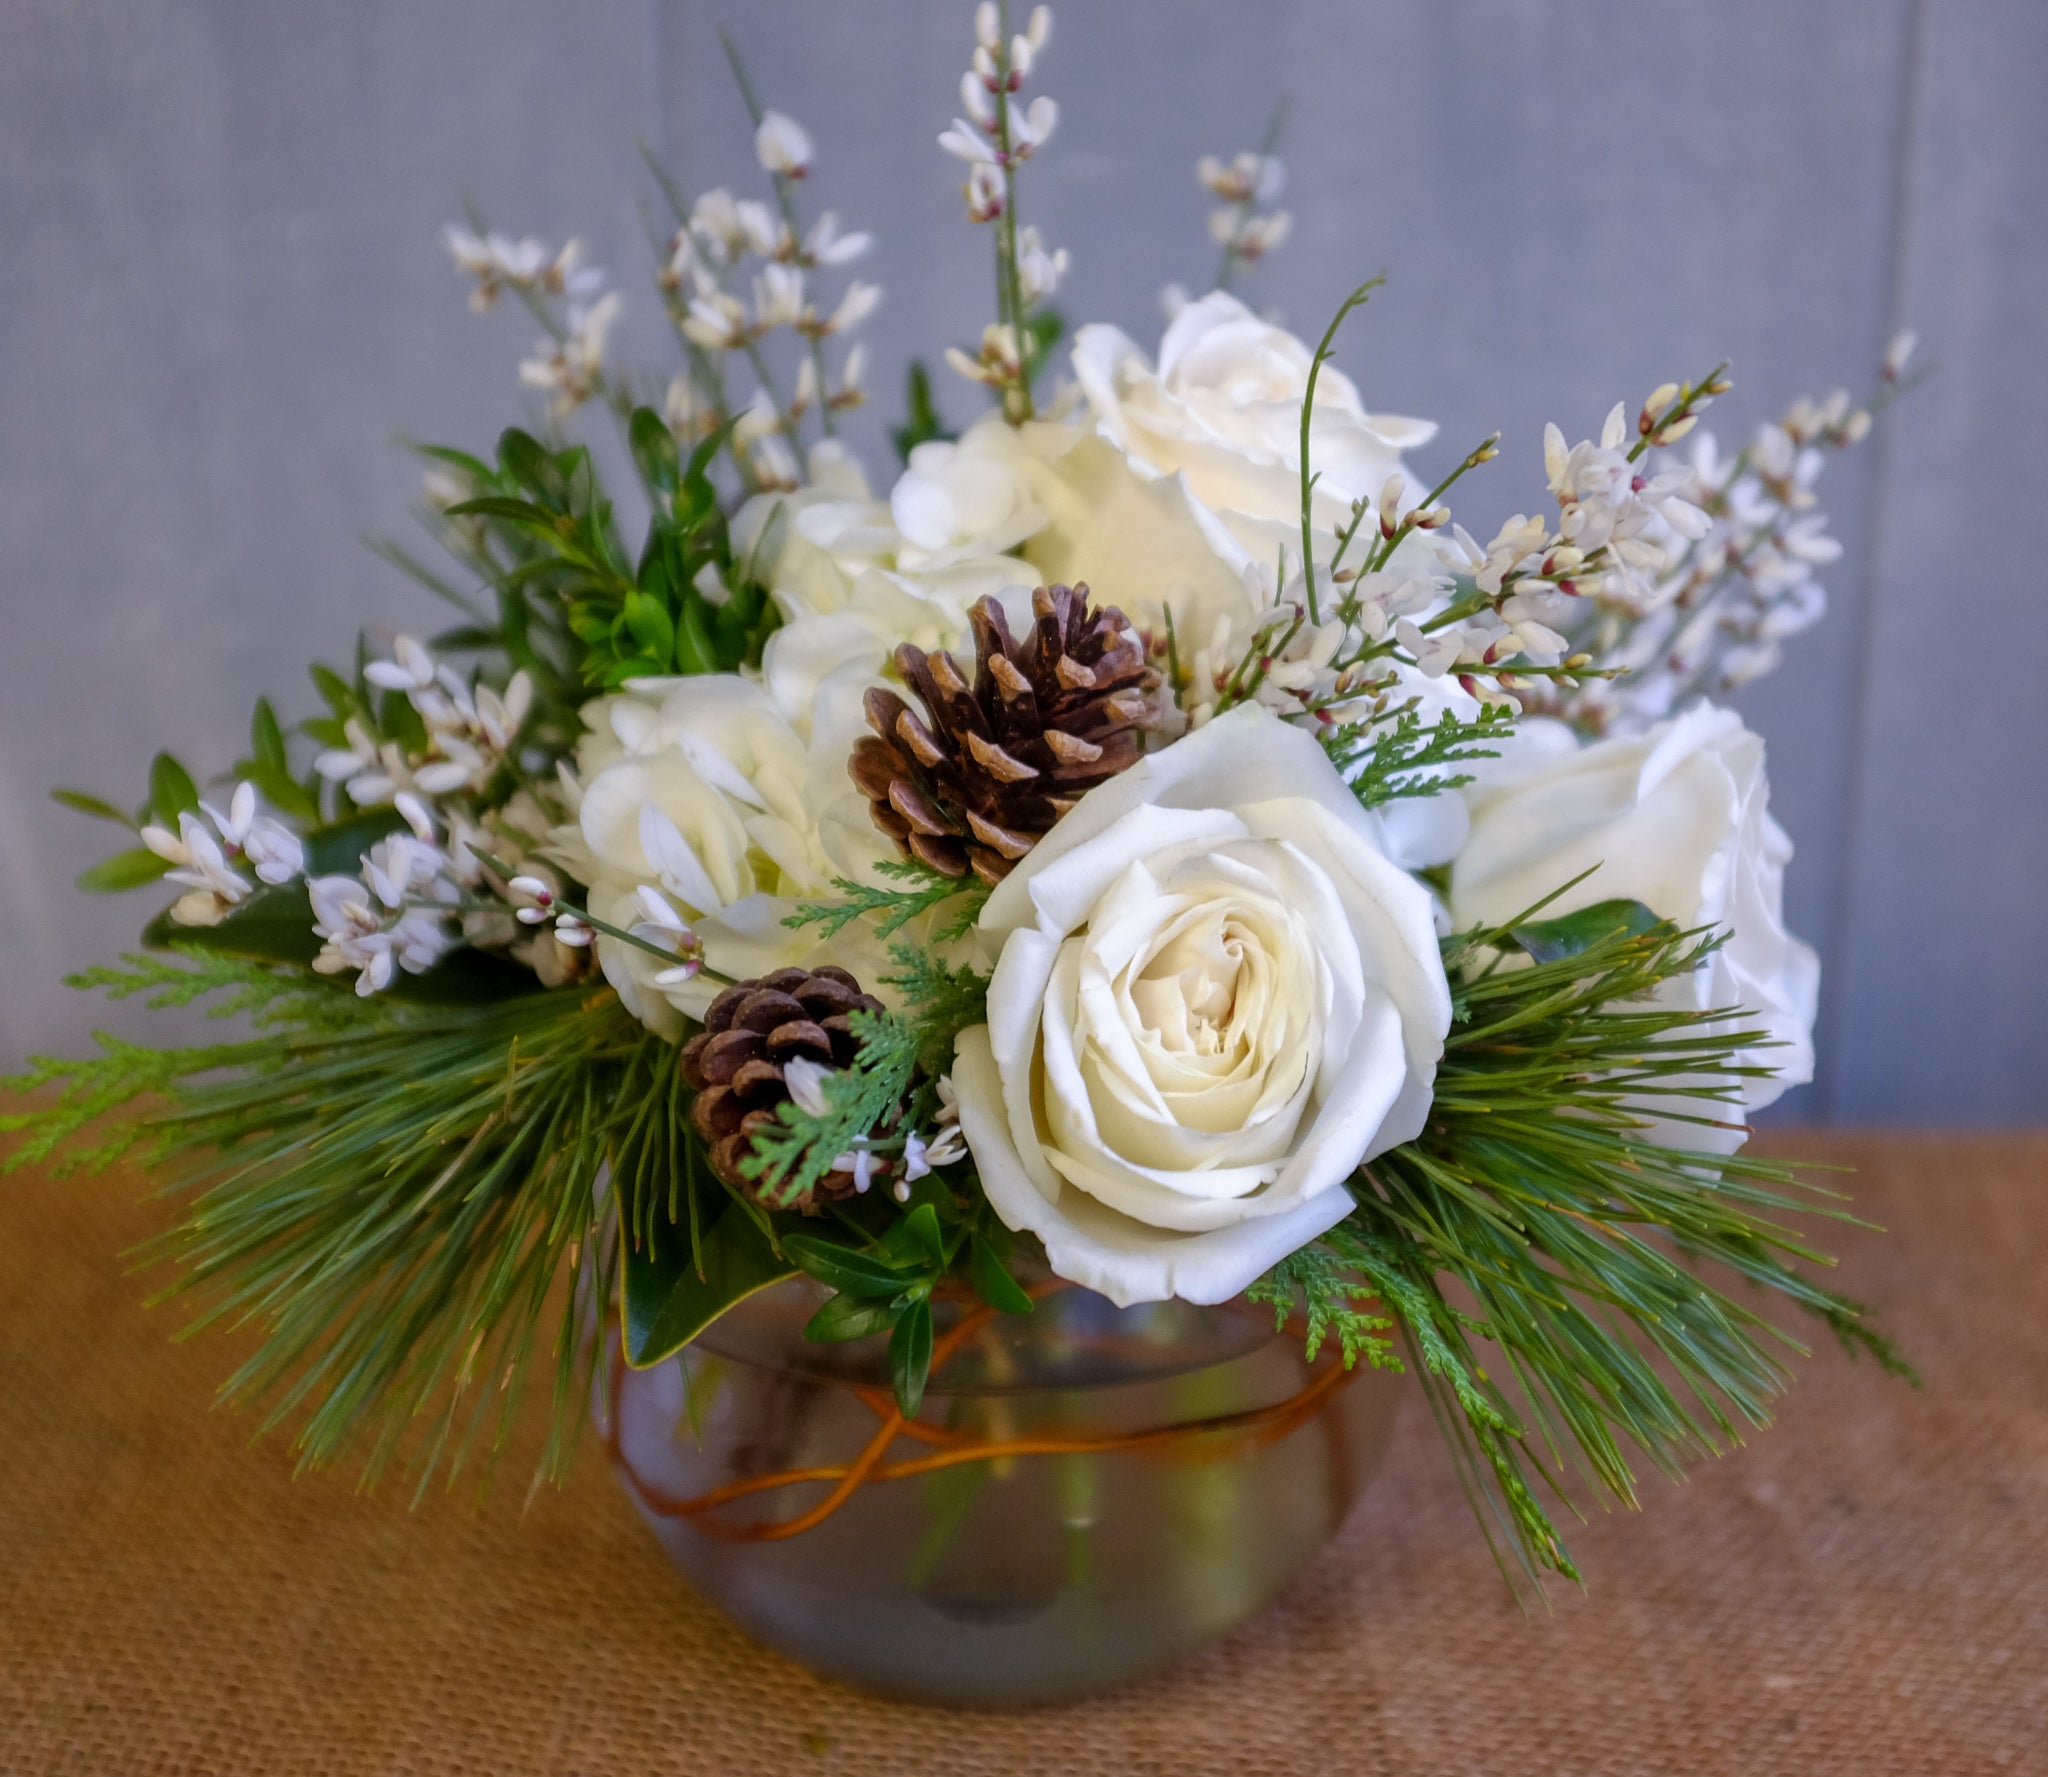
(1088, 1493)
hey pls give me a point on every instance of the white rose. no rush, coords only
(1679, 820)
(697, 790)
(1139, 540)
(956, 500)
(1213, 998)
(811, 546)
(1223, 408)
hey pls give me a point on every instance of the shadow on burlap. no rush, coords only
(1863, 1589)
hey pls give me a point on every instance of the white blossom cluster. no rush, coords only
(1245, 225)
(996, 136)
(219, 859)
(564, 294)
(1741, 580)
(739, 272)
(420, 893)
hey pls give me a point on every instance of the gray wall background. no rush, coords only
(221, 297)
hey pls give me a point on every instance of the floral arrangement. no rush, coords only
(1154, 842)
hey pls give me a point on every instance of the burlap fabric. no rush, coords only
(1864, 1589)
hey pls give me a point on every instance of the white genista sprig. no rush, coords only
(998, 132)
(1245, 225)
(782, 146)
(471, 730)
(209, 862)
(724, 308)
(1039, 272)
(1736, 540)
(497, 262)
(571, 369)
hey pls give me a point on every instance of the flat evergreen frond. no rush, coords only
(794, 1152)
(939, 1001)
(81, 1093)
(1315, 1281)
(896, 908)
(1390, 757)
(1531, 1217)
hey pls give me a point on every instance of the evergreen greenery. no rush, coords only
(1567, 1290)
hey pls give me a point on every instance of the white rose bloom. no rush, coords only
(810, 547)
(1213, 998)
(1223, 408)
(957, 500)
(697, 789)
(1141, 541)
(1679, 820)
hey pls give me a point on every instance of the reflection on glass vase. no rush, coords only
(1087, 1494)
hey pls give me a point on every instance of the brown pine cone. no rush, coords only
(980, 777)
(734, 1064)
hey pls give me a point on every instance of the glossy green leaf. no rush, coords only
(921, 422)
(334, 690)
(654, 450)
(910, 1356)
(266, 738)
(338, 847)
(171, 790)
(664, 1303)
(100, 809)
(1547, 940)
(921, 1228)
(848, 1317)
(843, 1267)
(274, 925)
(992, 1280)
(124, 870)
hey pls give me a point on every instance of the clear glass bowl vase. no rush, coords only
(1088, 1493)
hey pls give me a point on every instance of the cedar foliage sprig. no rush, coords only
(1387, 758)
(893, 909)
(868, 1100)
(1576, 1245)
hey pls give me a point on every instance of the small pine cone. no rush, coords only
(734, 1064)
(980, 777)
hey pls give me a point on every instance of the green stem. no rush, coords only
(784, 202)
(1325, 349)
(1017, 404)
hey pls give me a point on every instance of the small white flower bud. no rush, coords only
(781, 146)
(988, 24)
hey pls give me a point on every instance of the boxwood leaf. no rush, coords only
(664, 1303)
(98, 807)
(910, 1356)
(171, 790)
(848, 1317)
(124, 870)
(844, 1268)
(992, 1280)
(1547, 940)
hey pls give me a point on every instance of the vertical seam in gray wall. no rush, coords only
(1864, 631)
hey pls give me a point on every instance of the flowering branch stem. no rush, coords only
(1655, 432)
(1276, 127)
(1017, 405)
(786, 203)
(1326, 348)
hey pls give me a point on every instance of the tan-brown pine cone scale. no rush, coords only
(976, 778)
(751, 1031)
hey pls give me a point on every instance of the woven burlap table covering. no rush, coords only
(1863, 1589)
